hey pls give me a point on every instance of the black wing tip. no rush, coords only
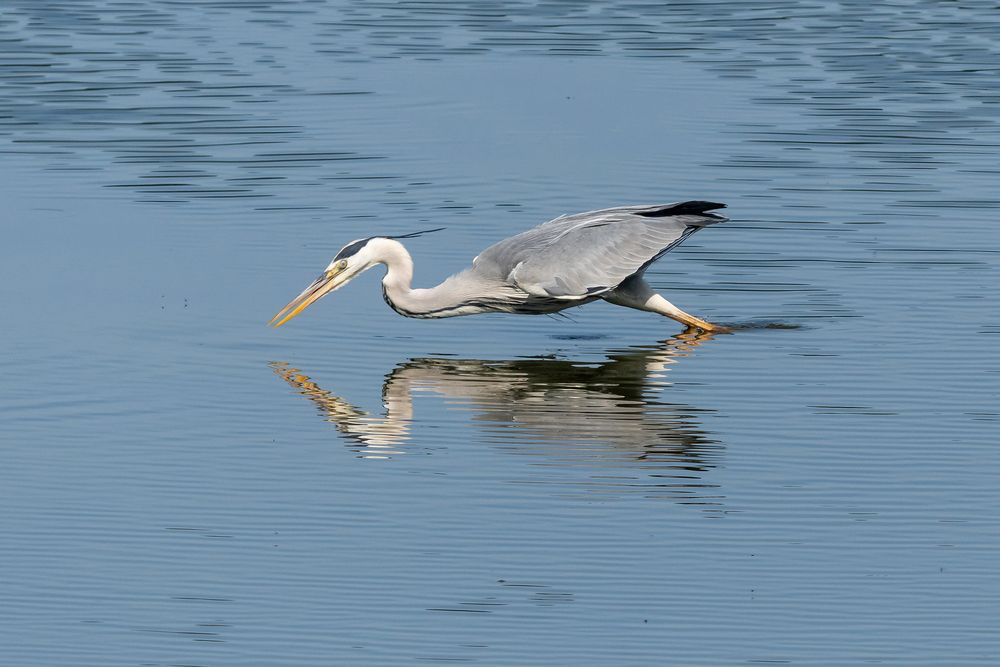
(695, 207)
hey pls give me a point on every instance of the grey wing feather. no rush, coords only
(587, 254)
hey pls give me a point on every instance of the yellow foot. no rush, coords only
(693, 322)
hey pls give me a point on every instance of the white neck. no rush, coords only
(450, 298)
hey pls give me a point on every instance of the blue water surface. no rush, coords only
(182, 485)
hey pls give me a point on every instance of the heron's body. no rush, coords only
(565, 262)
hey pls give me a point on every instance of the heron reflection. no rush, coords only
(609, 413)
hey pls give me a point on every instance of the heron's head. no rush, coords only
(353, 259)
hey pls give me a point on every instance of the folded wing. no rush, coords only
(587, 254)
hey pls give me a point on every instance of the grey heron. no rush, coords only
(566, 262)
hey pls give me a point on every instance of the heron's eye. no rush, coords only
(342, 264)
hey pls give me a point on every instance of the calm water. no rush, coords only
(183, 486)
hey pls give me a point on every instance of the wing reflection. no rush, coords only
(607, 415)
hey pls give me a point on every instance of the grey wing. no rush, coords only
(583, 255)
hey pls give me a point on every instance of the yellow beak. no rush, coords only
(326, 283)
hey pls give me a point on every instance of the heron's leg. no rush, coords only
(636, 293)
(657, 304)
